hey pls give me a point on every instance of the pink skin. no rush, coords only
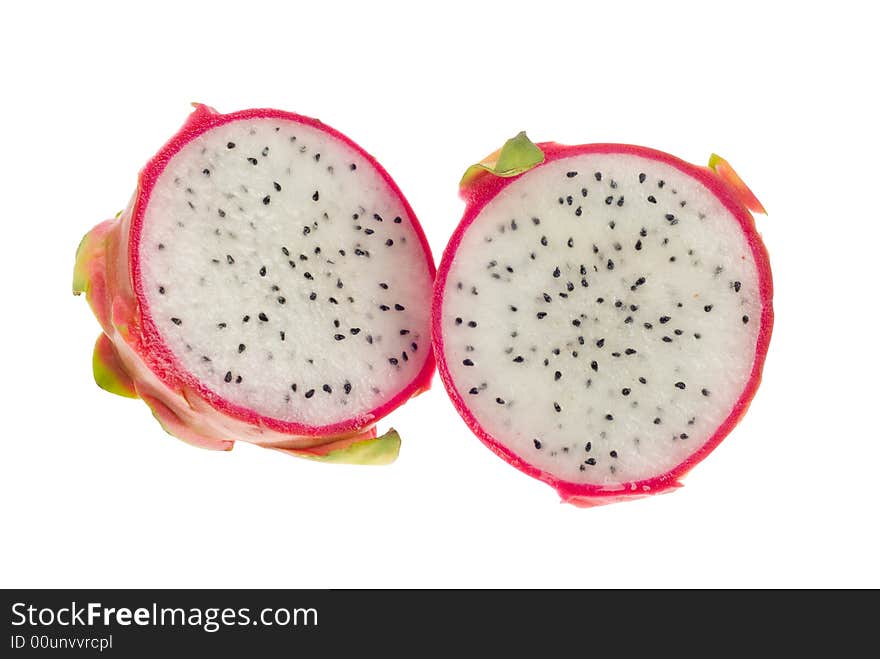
(110, 264)
(482, 190)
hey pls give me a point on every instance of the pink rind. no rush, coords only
(485, 188)
(184, 406)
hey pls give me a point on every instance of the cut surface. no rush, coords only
(283, 273)
(600, 317)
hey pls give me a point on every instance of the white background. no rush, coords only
(93, 493)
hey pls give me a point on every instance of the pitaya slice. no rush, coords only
(602, 313)
(267, 283)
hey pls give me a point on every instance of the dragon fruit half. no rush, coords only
(266, 283)
(602, 313)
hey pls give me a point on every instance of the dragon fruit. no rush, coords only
(602, 313)
(266, 283)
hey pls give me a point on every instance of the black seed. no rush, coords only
(683, 435)
(600, 300)
(571, 174)
(499, 400)
(590, 461)
(467, 362)
(707, 308)
(609, 199)
(397, 220)
(316, 196)
(384, 307)
(176, 321)
(281, 333)
(745, 319)
(230, 145)
(544, 240)
(569, 200)
(657, 421)
(556, 272)
(609, 417)
(667, 339)
(354, 331)
(252, 161)
(610, 264)
(705, 392)
(347, 387)
(541, 315)
(161, 290)
(458, 321)
(642, 178)
(317, 157)
(393, 361)
(285, 251)
(263, 271)
(313, 296)
(678, 332)
(697, 335)
(598, 176)
(661, 183)
(310, 393)
(229, 259)
(228, 376)
(664, 319)
(399, 307)
(736, 286)
(652, 199)
(241, 348)
(557, 407)
(620, 202)
(266, 200)
(263, 317)
(578, 212)
(630, 351)
(339, 337)
(648, 326)
(594, 365)
(389, 242)
(613, 454)
(472, 323)
(537, 443)
(680, 385)
(519, 359)
(308, 275)
(293, 387)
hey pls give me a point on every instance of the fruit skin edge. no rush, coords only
(131, 359)
(481, 187)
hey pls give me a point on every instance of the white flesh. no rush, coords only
(561, 402)
(206, 270)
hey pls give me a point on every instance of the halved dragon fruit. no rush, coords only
(602, 313)
(267, 283)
